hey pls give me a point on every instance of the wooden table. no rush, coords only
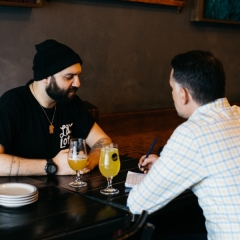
(60, 213)
(66, 212)
(95, 182)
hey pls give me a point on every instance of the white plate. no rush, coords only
(18, 200)
(13, 205)
(16, 190)
(18, 203)
(15, 198)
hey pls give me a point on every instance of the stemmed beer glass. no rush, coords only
(109, 165)
(77, 159)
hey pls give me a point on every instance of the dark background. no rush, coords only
(126, 48)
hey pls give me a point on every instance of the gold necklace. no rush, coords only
(51, 126)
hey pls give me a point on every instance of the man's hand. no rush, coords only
(93, 159)
(62, 163)
(145, 164)
(63, 168)
(94, 140)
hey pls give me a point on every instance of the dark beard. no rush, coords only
(58, 94)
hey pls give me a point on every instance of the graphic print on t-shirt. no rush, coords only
(65, 135)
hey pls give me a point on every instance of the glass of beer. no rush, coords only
(109, 165)
(77, 159)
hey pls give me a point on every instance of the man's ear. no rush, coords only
(46, 80)
(184, 94)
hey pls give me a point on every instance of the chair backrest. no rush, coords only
(140, 230)
(147, 231)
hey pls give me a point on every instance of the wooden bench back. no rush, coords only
(135, 131)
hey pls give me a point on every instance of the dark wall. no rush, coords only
(126, 48)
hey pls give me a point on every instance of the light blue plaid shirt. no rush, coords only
(202, 154)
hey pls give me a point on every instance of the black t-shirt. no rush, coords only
(24, 127)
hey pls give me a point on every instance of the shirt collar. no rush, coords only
(219, 103)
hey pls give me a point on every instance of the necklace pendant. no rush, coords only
(51, 129)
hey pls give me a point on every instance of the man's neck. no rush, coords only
(41, 96)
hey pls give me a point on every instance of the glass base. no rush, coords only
(109, 191)
(77, 184)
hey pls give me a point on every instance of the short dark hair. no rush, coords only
(201, 73)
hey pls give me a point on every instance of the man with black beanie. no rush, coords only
(38, 120)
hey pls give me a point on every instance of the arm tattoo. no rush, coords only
(11, 166)
(99, 143)
(15, 166)
(18, 167)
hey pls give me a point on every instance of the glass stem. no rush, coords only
(109, 180)
(77, 176)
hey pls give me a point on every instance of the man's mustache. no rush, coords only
(73, 89)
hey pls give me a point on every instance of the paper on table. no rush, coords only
(133, 178)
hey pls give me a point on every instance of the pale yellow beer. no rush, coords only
(109, 163)
(77, 164)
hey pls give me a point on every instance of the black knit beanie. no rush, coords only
(52, 57)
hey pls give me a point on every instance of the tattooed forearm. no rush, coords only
(99, 143)
(10, 171)
(15, 166)
(18, 167)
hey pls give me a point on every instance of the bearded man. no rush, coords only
(37, 120)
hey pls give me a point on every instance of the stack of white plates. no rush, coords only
(17, 194)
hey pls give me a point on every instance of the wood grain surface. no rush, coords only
(135, 131)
